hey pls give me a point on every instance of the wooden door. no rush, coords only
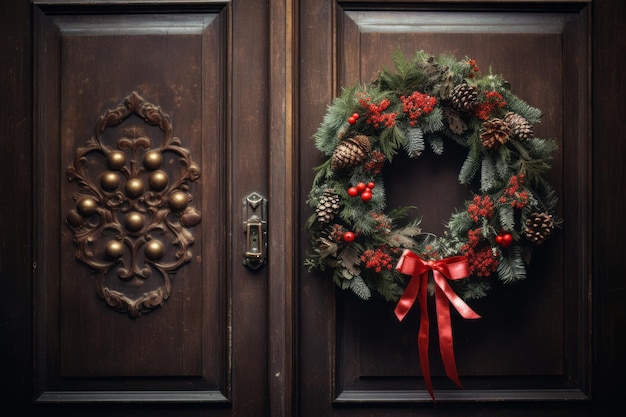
(242, 85)
(152, 154)
(532, 343)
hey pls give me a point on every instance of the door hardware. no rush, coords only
(255, 230)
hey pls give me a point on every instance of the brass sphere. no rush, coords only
(86, 206)
(158, 180)
(134, 187)
(178, 200)
(154, 250)
(152, 160)
(110, 181)
(134, 221)
(114, 249)
(116, 159)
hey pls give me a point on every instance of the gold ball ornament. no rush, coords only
(134, 221)
(114, 249)
(116, 159)
(154, 250)
(110, 181)
(152, 160)
(178, 200)
(134, 187)
(86, 206)
(158, 180)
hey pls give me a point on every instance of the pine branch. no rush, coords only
(511, 268)
(541, 148)
(415, 142)
(507, 217)
(391, 140)
(487, 174)
(470, 166)
(360, 288)
(519, 106)
(436, 144)
(473, 290)
(335, 120)
(432, 122)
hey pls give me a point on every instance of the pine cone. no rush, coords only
(349, 152)
(445, 86)
(431, 67)
(455, 123)
(520, 128)
(464, 97)
(493, 133)
(539, 226)
(327, 207)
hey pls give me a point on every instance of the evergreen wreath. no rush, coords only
(432, 102)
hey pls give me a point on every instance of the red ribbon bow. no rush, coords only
(455, 267)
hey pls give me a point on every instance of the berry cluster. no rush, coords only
(480, 207)
(482, 261)
(417, 104)
(492, 100)
(378, 259)
(336, 233)
(374, 112)
(383, 224)
(352, 119)
(504, 239)
(512, 194)
(375, 163)
(362, 189)
(472, 63)
(481, 257)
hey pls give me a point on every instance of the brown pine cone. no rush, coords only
(539, 226)
(493, 133)
(464, 97)
(327, 207)
(520, 128)
(350, 152)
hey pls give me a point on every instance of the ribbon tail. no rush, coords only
(422, 338)
(464, 310)
(408, 297)
(444, 325)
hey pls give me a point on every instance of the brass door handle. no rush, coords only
(255, 230)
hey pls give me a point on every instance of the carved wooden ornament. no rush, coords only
(132, 216)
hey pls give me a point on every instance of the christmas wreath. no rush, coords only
(430, 102)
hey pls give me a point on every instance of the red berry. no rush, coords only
(499, 239)
(507, 239)
(355, 116)
(348, 237)
(371, 185)
(353, 191)
(361, 186)
(366, 195)
(351, 120)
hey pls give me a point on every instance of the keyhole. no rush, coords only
(254, 240)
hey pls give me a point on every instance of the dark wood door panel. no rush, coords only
(528, 343)
(155, 314)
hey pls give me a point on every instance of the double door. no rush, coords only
(173, 154)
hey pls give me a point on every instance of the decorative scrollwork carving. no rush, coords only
(132, 216)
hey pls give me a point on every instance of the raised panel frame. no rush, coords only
(204, 375)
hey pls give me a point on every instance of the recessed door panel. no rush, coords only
(527, 338)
